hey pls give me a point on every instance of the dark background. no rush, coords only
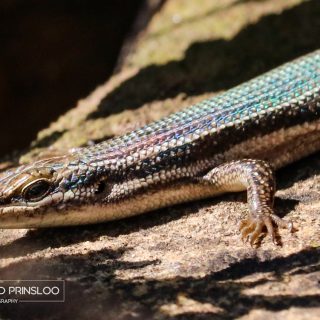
(54, 52)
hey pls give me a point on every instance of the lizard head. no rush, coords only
(41, 194)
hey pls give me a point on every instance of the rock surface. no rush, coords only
(184, 262)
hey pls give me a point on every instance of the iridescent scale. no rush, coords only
(277, 91)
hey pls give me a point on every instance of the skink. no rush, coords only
(231, 142)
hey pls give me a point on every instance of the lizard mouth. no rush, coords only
(16, 216)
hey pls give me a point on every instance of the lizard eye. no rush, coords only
(36, 190)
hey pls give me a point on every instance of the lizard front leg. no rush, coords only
(255, 176)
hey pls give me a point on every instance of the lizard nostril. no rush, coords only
(4, 201)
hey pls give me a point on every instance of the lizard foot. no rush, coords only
(252, 228)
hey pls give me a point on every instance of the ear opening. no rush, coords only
(102, 186)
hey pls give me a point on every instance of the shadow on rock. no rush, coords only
(94, 290)
(212, 66)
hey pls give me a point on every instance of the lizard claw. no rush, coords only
(246, 229)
